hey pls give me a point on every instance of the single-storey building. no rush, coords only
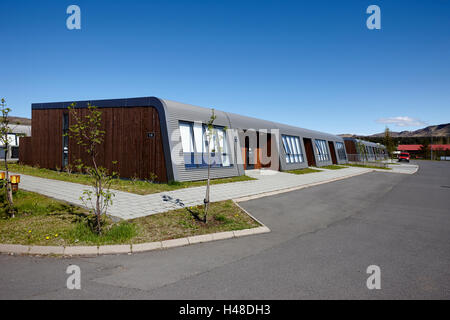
(416, 150)
(16, 131)
(361, 150)
(152, 136)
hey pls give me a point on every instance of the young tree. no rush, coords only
(424, 149)
(362, 151)
(213, 143)
(208, 138)
(388, 141)
(86, 131)
(5, 130)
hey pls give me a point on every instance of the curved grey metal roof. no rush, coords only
(233, 120)
(20, 128)
(371, 144)
(367, 143)
(188, 111)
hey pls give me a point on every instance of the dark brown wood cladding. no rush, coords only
(309, 152)
(133, 139)
(46, 138)
(25, 150)
(350, 147)
(333, 152)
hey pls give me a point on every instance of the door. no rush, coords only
(249, 155)
(333, 152)
(309, 152)
(265, 147)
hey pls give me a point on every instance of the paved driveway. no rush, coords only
(128, 205)
(322, 240)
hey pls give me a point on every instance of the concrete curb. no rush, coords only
(398, 169)
(127, 248)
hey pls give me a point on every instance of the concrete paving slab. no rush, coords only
(223, 235)
(80, 250)
(46, 250)
(14, 248)
(200, 238)
(142, 247)
(114, 249)
(174, 243)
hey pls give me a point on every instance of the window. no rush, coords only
(12, 139)
(194, 143)
(292, 149)
(321, 150)
(341, 151)
(15, 152)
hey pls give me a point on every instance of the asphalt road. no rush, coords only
(322, 241)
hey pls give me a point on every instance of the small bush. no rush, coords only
(116, 233)
(221, 218)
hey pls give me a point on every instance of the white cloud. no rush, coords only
(402, 121)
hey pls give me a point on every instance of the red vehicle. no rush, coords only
(404, 156)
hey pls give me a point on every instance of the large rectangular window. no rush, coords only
(292, 149)
(341, 151)
(194, 142)
(322, 150)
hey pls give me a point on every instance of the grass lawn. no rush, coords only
(128, 185)
(334, 167)
(44, 221)
(367, 166)
(303, 171)
(223, 216)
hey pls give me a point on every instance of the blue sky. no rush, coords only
(312, 64)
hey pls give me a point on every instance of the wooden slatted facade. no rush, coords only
(25, 150)
(132, 138)
(350, 147)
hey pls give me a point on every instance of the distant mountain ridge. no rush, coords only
(440, 130)
(19, 120)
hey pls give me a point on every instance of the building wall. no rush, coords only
(17, 132)
(373, 150)
(25, 151)
(177, 112)
(350, 147)
(126, 122)
(126, 141)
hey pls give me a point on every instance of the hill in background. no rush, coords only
(20, 120)
(438, 134)
(440, 130)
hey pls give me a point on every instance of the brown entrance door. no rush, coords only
(249, 155)
(265, 151)
(309, 152)
(333, 152)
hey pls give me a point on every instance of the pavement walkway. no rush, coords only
(129, 206)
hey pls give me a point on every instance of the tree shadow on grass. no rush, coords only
(180, 203)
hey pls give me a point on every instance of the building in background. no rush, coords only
(417, 151)
(20, 127)
(361, 150)
(151, 136)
